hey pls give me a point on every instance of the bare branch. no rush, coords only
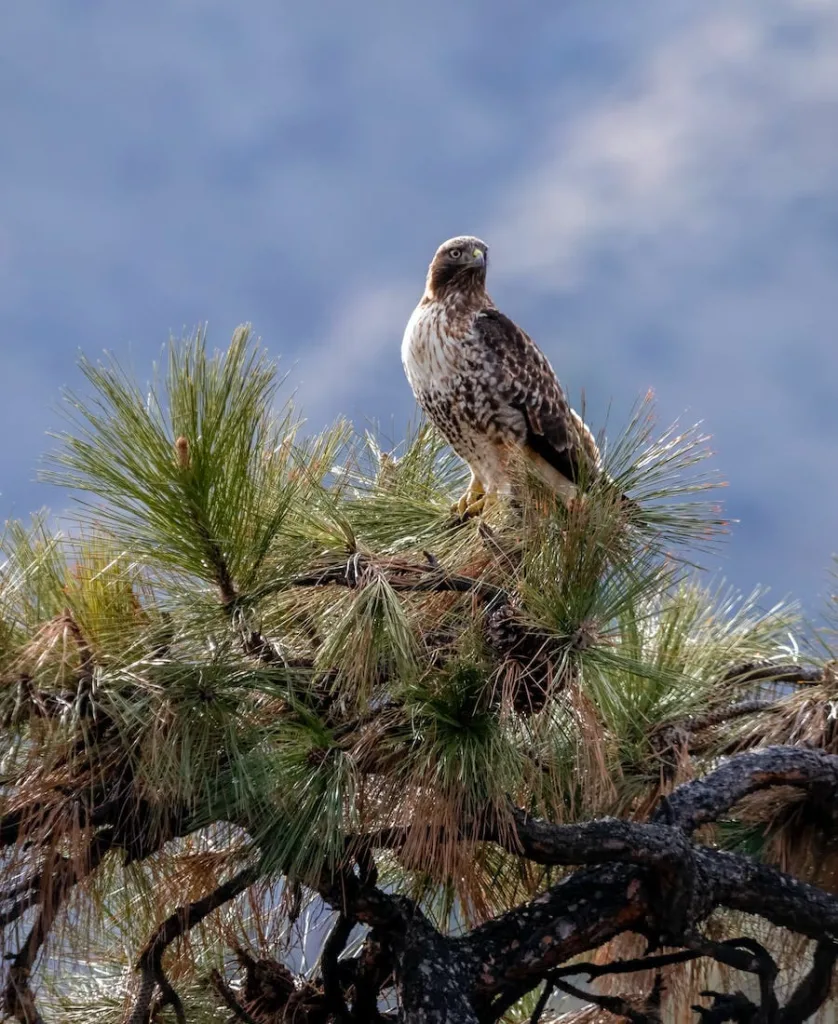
(773, 672)
(18, 1000)
(329, 968)
(543, 999)
(225, 993)
(706, 799)
(374, 969)
(167, 997)
(520, 948)
(814, 989)
(605, 840)
(432, 973)
(150, 962)
(402, 575)
(617, 1005)
(643, 963)
(698, 723)
(727, 1006)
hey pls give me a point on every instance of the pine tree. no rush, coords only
(285, 740)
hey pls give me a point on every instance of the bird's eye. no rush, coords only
(455, 254)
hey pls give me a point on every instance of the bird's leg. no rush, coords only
(475, 500)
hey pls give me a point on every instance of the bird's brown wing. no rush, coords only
(526, 382)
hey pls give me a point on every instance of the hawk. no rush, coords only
(486, 385)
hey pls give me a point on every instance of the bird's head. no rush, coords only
(458, 267)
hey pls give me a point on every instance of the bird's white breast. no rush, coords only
(429, 352)
(443, 362)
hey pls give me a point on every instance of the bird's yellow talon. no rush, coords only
(474, 503)
(470, 500)
(488, 501)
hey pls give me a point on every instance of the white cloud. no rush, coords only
(729, 109)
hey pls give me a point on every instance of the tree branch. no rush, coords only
(543, 999)
(433, 975)
(374, 967)
(330, 970)
(814, 988)
(643, 963)
(743, 884)
(706, 799)
(18, 1000)
(225, 993)
(773, 672)
(698, 723)
(402, 575)
(511, 954)
(433, 982)
(727, 1006)
(150, 962)
(604, 840)
(617, 1005)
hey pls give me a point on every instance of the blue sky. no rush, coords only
(656, 180)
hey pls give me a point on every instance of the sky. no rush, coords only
(657, 182)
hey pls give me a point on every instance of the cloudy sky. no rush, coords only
(658, 182)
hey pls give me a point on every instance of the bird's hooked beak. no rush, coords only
(479, 257)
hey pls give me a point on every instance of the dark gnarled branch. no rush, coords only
(707, 799)
(330, 970)
(814, 988)
(773, 672)
(518, 949)
(227, 996)
(652, 879)
(150, 962)
(647, 1013)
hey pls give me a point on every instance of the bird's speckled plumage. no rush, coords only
(485, 384)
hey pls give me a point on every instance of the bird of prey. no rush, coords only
(486, 385)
